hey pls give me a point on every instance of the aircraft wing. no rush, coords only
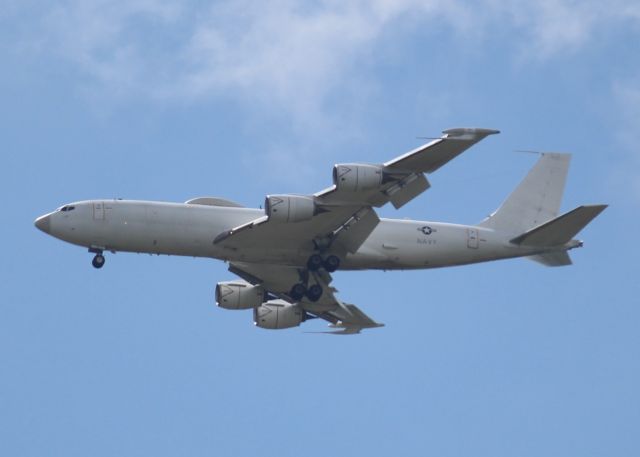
(343, 214)
(431, 156)
(403, 177)
(277, 280)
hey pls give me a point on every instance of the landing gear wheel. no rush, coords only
(98, 261)
(331, 263)
(298, 291)
(314, 292)
(314, 263)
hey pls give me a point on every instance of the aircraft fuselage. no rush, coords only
(190, 230)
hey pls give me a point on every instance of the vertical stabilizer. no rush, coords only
(536, 199)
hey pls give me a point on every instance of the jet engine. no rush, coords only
(355, 177)
(239, 295)
(278, 314)
(289, 208)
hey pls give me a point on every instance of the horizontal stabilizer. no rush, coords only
(552, 259)
(560, 230)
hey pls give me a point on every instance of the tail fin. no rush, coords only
(536, 199)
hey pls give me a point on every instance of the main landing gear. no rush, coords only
(98, 260)
(330, 264)
(299, 291)
(314, 292)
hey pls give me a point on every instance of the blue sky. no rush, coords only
(163, 100)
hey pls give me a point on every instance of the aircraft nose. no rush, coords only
(44, 223)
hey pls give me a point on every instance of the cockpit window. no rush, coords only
(67, 208)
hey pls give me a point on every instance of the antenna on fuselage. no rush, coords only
(529, 151)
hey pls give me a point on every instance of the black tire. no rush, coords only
(314, 292)
(298, 291)
(314, 263)
(331, 263)
(98, 261)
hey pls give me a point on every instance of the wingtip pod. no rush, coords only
(468, 133)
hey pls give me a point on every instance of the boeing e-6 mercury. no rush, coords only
(286, 252)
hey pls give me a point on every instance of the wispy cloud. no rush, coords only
(110, 41)
(290, 54)
(292, 58)
(627, 171)
(555, 27)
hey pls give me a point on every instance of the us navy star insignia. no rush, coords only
(426, 230)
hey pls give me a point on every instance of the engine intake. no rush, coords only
(289, 208)
(239, 295)
(355, 177)
(278, 314)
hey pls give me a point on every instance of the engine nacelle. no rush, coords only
(239, 295)
(354, 177)
(278, 314)
(289, 208)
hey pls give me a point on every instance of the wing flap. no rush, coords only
(261, 233)
(403, 192)
(355, 231)
(352, 320)
(349, 226)
(241, 228)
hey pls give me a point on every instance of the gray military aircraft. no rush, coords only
(285, 254)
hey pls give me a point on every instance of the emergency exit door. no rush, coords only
(98, 211)
(472, 239)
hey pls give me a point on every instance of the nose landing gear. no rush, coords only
(98, 260)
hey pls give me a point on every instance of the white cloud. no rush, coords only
(101, 37)
(553, 27)
(292, 54)
(286, 54)
(295, 57)
(627, 174)
(289, 56)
